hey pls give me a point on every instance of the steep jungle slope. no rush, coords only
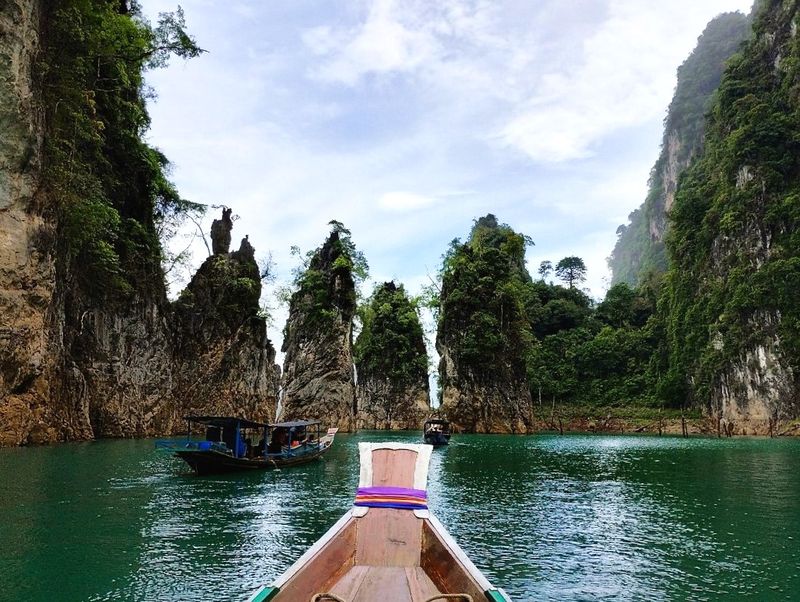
(640, 244)
(484, 333)
(732, 313)
(88, 344)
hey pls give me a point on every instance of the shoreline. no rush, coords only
(575, 425)
(705, 427)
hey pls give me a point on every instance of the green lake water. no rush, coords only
(545, 517)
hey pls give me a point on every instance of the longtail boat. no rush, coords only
(388, 547)
(436, 432)
(232, 444)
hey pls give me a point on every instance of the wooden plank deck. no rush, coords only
(385, 583)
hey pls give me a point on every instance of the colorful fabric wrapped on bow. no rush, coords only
(392, 497)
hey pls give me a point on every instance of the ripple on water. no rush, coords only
(546, 517)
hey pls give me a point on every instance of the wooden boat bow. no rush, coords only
(388, 547)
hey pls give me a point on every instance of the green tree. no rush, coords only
(112, 189)
(391, 345)
(571, 270)
(545, 269)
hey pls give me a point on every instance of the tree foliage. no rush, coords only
(485, 297)
(571, 270)
(391, 344)
(545, 269)
(110, 190)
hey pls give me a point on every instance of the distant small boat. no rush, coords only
(436, 432)
(232, 444)
(388, 547)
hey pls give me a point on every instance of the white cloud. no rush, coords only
(404, 201)
(623, 78)
(410, 99)
(382, 44)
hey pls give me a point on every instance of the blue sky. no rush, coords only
(407, 119)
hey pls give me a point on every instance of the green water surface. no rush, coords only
(545, 517)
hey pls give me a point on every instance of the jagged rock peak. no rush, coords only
(483, 335)
(318, 368)
(246, 251)
(221, 233)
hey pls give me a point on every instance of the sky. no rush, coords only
(408, 119)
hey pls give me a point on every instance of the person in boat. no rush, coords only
(277, 441)
(298, 437)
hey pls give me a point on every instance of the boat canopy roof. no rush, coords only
(226, 421)
(436, 421)
(294, 424)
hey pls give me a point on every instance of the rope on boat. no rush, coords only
(334, 597)
(466, 597)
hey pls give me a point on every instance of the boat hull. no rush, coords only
(384, 549)
(214, 462)
(437, 439)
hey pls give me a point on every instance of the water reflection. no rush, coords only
(546, 517)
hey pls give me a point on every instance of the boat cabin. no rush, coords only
(241, 438)
(436, 432)
(230, 444)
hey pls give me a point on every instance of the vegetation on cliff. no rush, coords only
(108, 189)
(318, 337)
(486, 294)
(391, 359)
(222, 295)
(734, 243)
(112, 357)
(640, 246)
(326, 280)
(497, 326)
(484, 330)
(391, 344)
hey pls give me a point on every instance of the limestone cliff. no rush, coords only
(89, 344)
(318, 380)
(484, 333)
(391, 362)
(733, 319)
(224, 361)
(27, 264)
(640, 246)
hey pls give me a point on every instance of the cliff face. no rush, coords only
(391, 363)
(640, 246)
(89, 345)
(733, 313)
(484, 333)
(318, 380)
(27, 267)
(225, 363)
